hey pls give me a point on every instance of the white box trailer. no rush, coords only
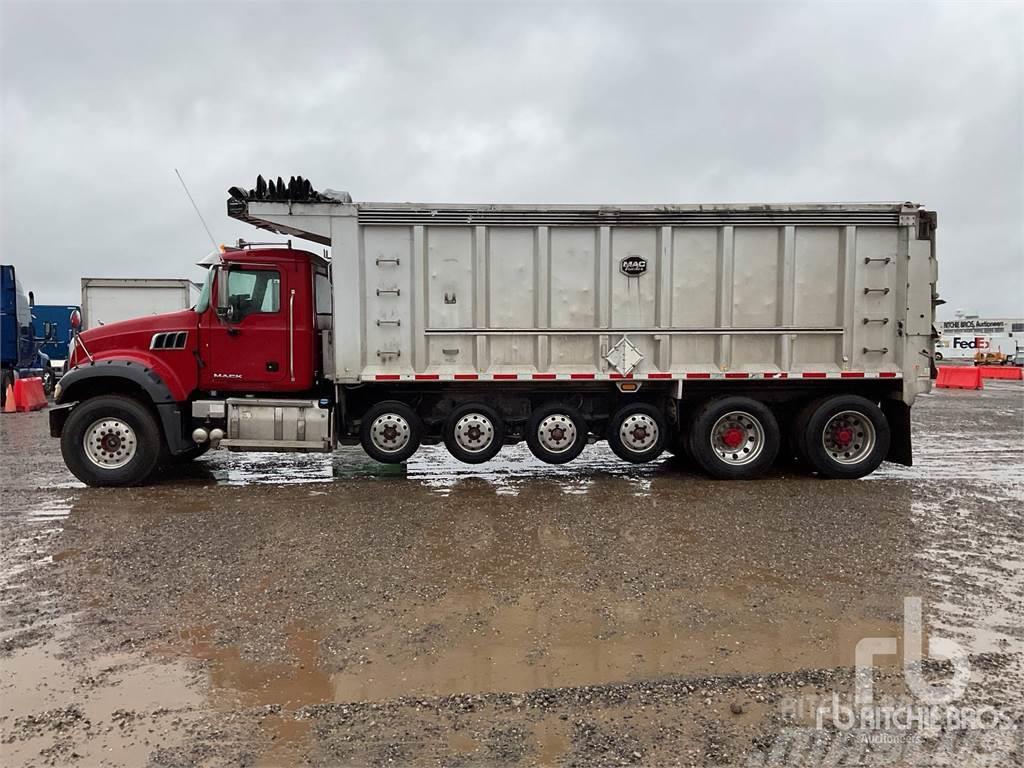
(666, 292)
(108, 300)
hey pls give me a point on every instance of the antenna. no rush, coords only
(208, 232)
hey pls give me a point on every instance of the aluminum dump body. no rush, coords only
(681, 292)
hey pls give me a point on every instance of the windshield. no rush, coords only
(204, 295)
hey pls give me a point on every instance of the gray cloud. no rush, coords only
(660, 102)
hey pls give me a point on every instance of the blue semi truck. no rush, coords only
(20, 347)
(54, 331)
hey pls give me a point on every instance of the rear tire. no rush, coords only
(844, 437)
(390, 432)
(474, 433)
(111, 441)
(638, 433)
(734, 438)
(556, 434)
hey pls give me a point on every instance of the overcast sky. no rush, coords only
(430, 101)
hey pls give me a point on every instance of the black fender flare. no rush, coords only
(145, 378)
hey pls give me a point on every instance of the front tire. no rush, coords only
(844, 437)
(734, 438)
(111, 441)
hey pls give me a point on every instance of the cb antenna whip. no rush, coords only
(208, 232)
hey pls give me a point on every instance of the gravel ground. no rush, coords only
(275, 610)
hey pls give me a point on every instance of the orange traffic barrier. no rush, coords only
(959, 377)
(1001, 372)
(28, 395)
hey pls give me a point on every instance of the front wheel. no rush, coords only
(111, 441)
(846, 436)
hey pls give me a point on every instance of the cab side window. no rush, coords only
(254, 291)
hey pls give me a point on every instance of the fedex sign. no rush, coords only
(971, 342)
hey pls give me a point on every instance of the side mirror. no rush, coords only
(49, 331)
(223, 307)
(75, 321)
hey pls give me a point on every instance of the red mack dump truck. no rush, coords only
(726, 332)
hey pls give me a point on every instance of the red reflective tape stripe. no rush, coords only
(698, 375)
(621, 376)
(388, 377)
(659, 375)
(813, 375)
(581, 375)
(428, 376)
(506, 376)
(852, 374)
(466, 377)
(887, 375)
(736, 375)
(543, 375)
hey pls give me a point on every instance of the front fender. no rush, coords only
(142, 377)
(148, 380)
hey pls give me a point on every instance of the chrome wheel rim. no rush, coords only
(737, 438)
(110, 443)
(390, 433)
(638, 432)
(556, 433)
(474, 433)
(849, 437)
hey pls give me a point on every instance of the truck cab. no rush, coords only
(136, 389)
(21, 354)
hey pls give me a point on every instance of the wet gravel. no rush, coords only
(274, 610)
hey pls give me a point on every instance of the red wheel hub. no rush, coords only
(843, 436)
(733, 437)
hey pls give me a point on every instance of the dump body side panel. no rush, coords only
(666, 292)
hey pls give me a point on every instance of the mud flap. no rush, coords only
(58, 415)
(897, 413)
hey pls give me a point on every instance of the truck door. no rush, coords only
(245, 345)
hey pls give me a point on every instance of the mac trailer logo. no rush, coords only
(633, 266)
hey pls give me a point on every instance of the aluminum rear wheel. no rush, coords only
(637, 432)
(738, 438)
(848, 437)
(390, 432)
(556, 433)
(474, 433)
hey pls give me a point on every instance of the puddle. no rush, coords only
(432, 466)
(109, 704)
(583, 640)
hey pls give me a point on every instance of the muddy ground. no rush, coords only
(276, 610)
